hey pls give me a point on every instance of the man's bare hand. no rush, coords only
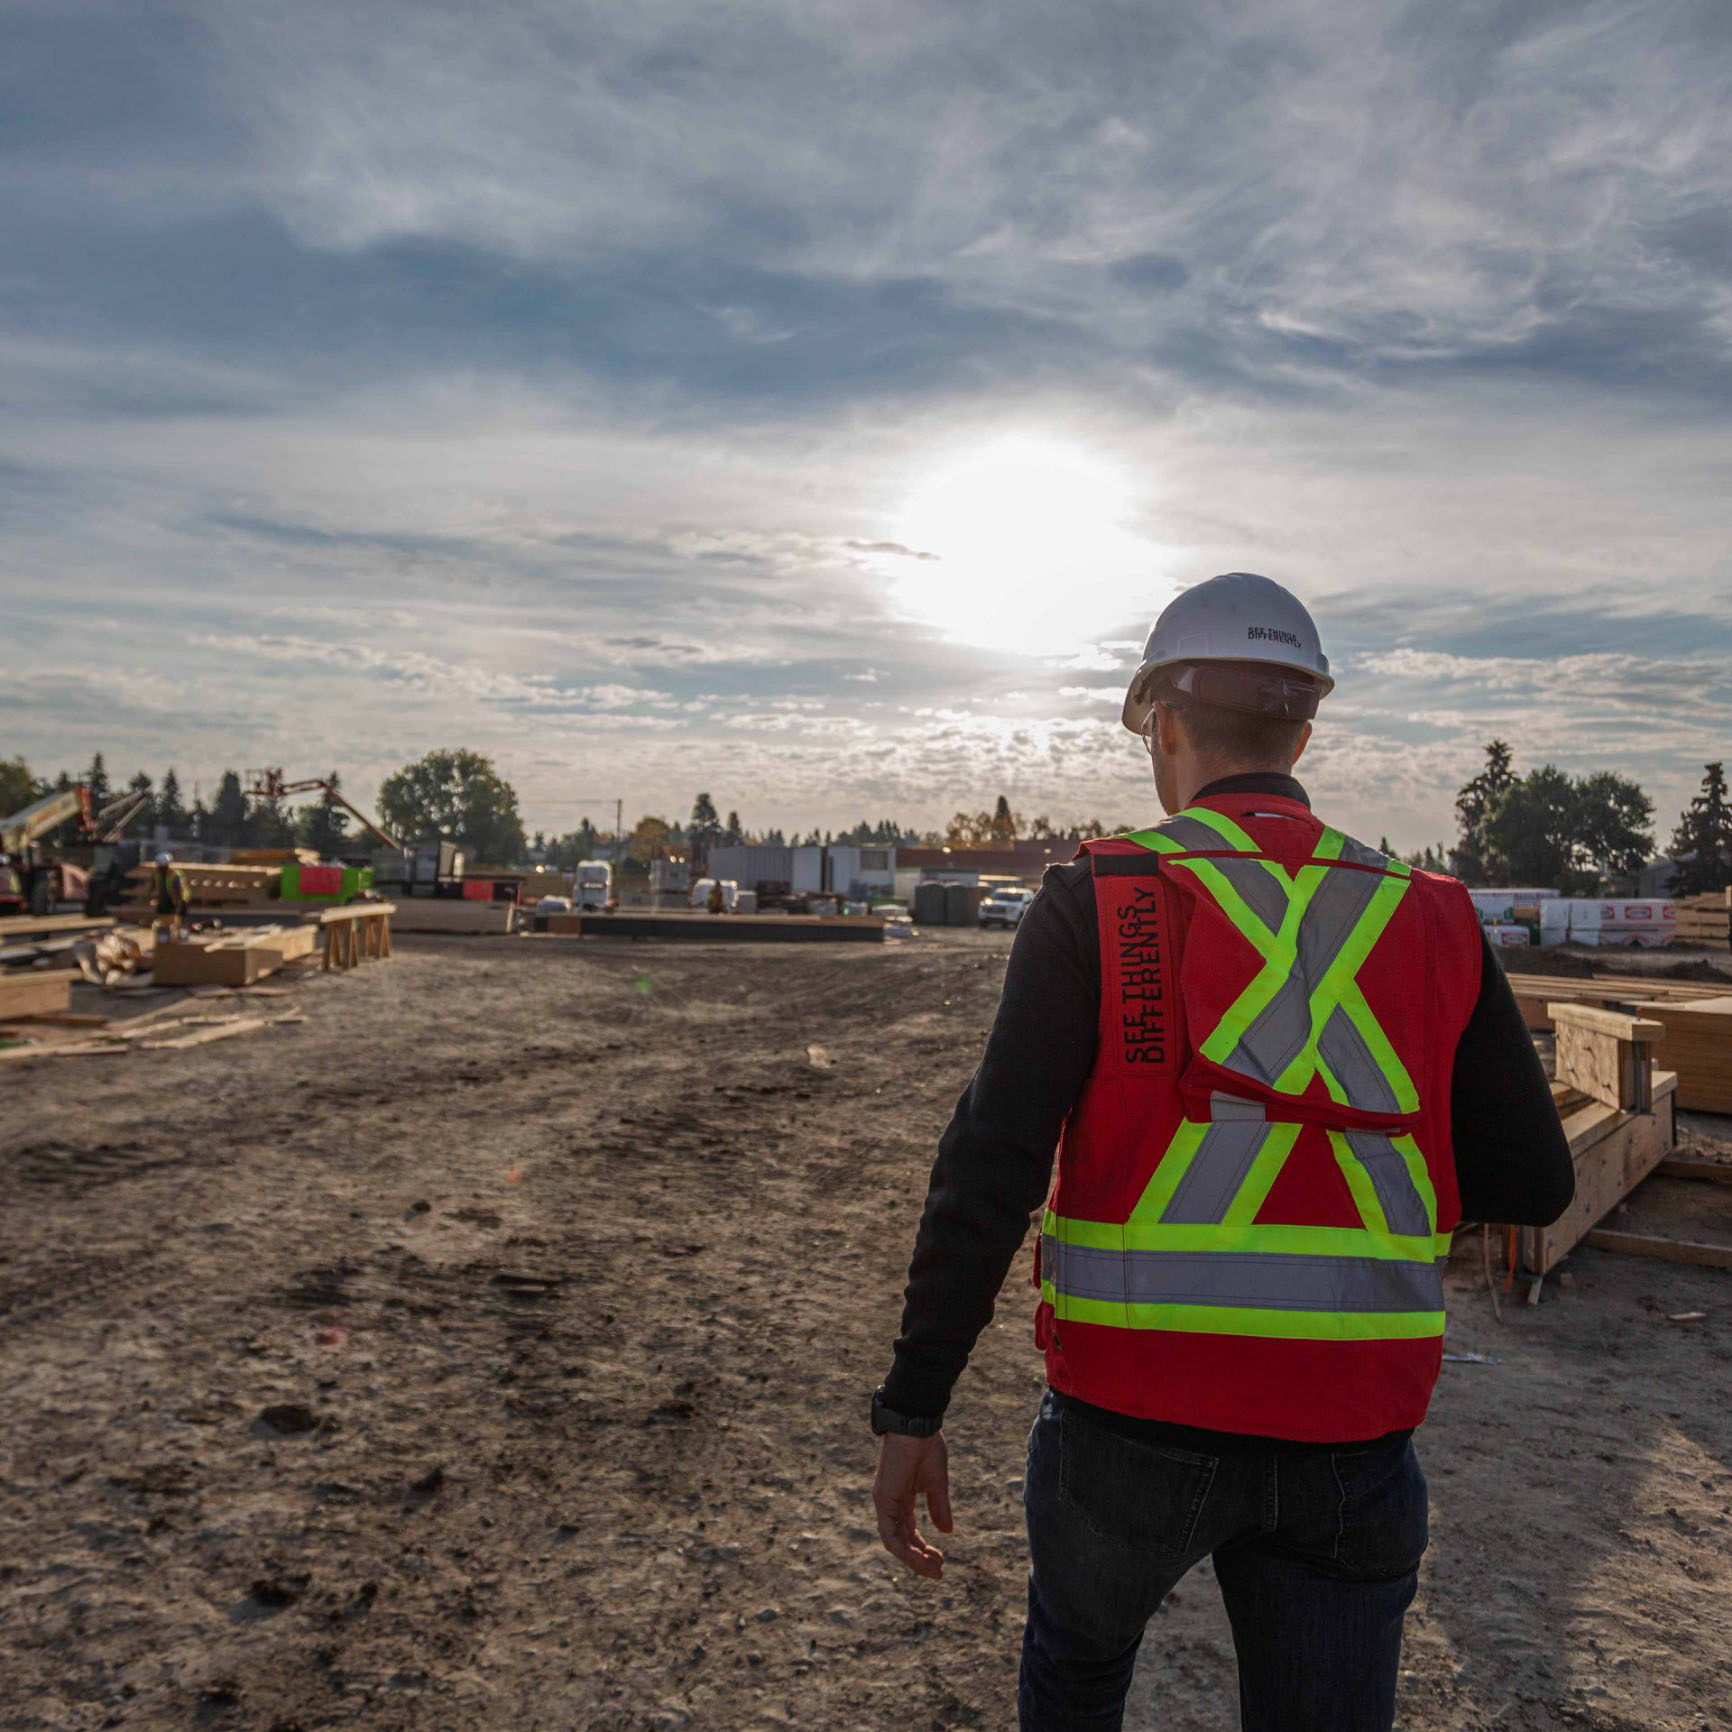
(907, 1468)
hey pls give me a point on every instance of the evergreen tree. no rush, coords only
(323, 827)
(732, 834)
(1475, 861)
(228, 817)
(706, 825)
(170, 811)
(1005, 824)
(96, 780)
(1702, 842)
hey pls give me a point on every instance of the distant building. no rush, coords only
(1655, 879)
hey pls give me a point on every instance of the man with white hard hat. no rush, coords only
(1278, 1067)
(168, 896)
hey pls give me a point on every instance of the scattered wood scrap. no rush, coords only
(223, 1029)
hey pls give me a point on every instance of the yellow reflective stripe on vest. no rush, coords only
(1192, 1256)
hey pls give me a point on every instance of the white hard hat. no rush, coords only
(165, 859)
(1237, 617)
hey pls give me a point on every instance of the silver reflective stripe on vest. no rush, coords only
(1280, 1031)
(1403, 1207)
(1267, 1281)
(1193, 835)
(1257, 887)
(1342, 1047)
(1221, 1164)
(1357, 854)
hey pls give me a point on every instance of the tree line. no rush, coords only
(1546, 828)
(1575, 834)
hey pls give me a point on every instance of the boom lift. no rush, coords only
(35, 880)
(269, 785)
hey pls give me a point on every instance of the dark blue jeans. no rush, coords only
(1317, 1553)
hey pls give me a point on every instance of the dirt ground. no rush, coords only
(493, 1349)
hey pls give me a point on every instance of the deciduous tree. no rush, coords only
(455, 796)
(17, 787)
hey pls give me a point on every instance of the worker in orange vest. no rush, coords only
(1276, 1066)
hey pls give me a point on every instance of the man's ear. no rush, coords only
(1167, 729)
(1304, 741)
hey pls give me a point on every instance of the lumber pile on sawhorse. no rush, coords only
(1698, 1025)
(1617, 1111)
(356, 933)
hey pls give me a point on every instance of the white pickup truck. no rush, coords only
(1004, 905)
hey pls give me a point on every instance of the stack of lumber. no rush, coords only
(233, 958)
(1697, 1024)
(273, 856)
(36, 928)
(1534, 992)
(1706, 919)
(224, 886)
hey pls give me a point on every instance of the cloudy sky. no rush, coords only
(813, 402)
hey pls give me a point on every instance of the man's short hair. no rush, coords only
(1238, 734)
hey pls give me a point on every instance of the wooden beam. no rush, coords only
(1670, 1250)
(1682, 1167)
(20, 925)
(1605, 1054)
(1613, 1022)
(1613, 1152)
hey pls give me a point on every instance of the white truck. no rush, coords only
(593, 889)
(1004, 905)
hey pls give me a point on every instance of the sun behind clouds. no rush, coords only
(1029, 547)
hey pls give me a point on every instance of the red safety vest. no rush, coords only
(1256, 1187)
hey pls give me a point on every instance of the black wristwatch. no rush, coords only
(887, 1419)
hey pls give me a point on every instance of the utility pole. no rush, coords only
(618, 829)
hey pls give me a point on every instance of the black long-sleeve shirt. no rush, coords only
(994, 1162)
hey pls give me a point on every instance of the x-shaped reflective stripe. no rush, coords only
(1303, 1014)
